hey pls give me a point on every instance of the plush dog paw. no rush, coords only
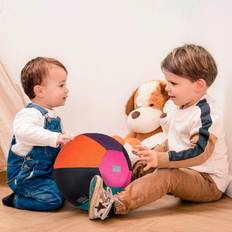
(119, 139)
(133, 142)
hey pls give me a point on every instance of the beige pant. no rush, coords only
(184, 183)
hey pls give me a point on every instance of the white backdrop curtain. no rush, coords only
(11, 101)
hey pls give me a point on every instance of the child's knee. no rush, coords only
(54, 201)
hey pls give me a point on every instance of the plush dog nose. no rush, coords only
(135, 114)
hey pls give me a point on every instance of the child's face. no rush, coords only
(54, 91)
(182, 91)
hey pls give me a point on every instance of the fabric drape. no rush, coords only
(11, 101)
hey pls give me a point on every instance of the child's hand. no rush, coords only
(149, 157)
(64, 138)
(138, 150)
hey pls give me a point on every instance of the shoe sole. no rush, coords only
(95, 197)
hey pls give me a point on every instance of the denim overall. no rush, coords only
(31, 177)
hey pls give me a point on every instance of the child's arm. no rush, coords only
(186, 158)
(204, 130)
(28, 129)
(197, 154)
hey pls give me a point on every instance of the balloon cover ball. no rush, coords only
(88, 155)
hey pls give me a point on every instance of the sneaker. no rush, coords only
(101, 200)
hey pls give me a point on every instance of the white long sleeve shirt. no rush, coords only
(28, 128)
(196, 140)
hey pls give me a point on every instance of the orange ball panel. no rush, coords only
(80, 152)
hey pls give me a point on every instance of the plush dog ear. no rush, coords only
(163, 85)
(159, 96)
(130, 103)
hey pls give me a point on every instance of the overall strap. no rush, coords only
(39, 108)
(48, 120)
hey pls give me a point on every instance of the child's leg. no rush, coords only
(195, 186)
(184, 183)
(40, 194)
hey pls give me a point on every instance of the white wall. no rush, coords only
(111, 47)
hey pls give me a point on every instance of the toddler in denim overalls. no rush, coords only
(37, 138)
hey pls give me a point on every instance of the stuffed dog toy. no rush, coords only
(144, 109)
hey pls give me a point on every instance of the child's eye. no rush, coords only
(173, 83)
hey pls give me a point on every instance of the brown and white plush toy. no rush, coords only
(144, 110)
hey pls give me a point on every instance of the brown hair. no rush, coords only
(34, 72)
(192, 62)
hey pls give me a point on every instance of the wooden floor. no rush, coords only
(167, 214)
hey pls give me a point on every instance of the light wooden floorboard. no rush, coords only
(168, 214)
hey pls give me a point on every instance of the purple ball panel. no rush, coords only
(106, 141)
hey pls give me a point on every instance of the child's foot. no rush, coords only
(9, 200)
(101, 200)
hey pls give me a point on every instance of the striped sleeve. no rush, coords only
(202, 143)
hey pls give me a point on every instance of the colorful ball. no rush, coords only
(88, 155)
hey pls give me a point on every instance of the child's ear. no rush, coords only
(201, 85)
(38, 91)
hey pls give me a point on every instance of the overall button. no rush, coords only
(25, 166)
